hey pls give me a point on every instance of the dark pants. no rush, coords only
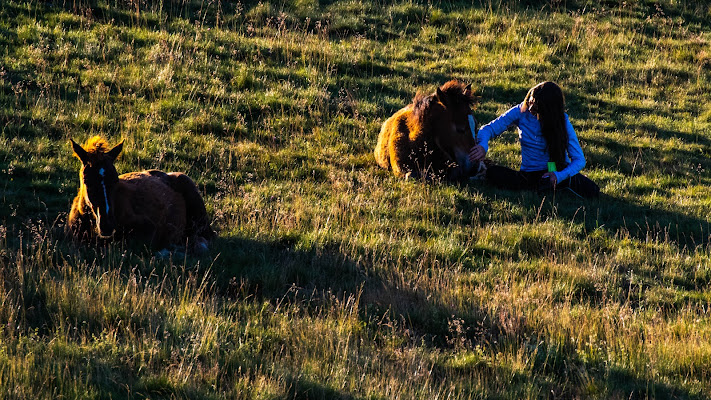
(506, 178)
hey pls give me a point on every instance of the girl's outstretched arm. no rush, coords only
(498, 126)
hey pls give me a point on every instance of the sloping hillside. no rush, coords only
(330, 277)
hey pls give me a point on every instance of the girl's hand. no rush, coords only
(552, 178)
(477, 153)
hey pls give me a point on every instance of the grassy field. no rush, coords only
(331, 279)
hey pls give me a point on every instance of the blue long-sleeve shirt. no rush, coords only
(534, 149)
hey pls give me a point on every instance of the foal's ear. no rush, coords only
(79, 151)
(115, 151)
(468, 90)
(440, 95)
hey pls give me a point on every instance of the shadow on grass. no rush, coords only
(301, 388)
(615, 215)
(620, 383)
(271, 271)
(272, 268)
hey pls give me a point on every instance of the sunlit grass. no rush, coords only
(331, 278)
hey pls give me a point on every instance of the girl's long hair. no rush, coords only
(548, 105)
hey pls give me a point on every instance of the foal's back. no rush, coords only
(150, 208)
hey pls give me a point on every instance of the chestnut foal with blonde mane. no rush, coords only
(432, 136)
(162, 209)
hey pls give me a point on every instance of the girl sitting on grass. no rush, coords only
(551, 156)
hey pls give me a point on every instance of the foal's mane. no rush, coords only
(421, 106)
(96, 149)
(96, 145)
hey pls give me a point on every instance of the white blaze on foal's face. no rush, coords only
(102, 173)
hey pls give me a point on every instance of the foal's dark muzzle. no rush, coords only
(106, 233)
(106, 227)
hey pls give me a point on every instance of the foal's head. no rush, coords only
(98, 177)
(459, 100)
(448, 115)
